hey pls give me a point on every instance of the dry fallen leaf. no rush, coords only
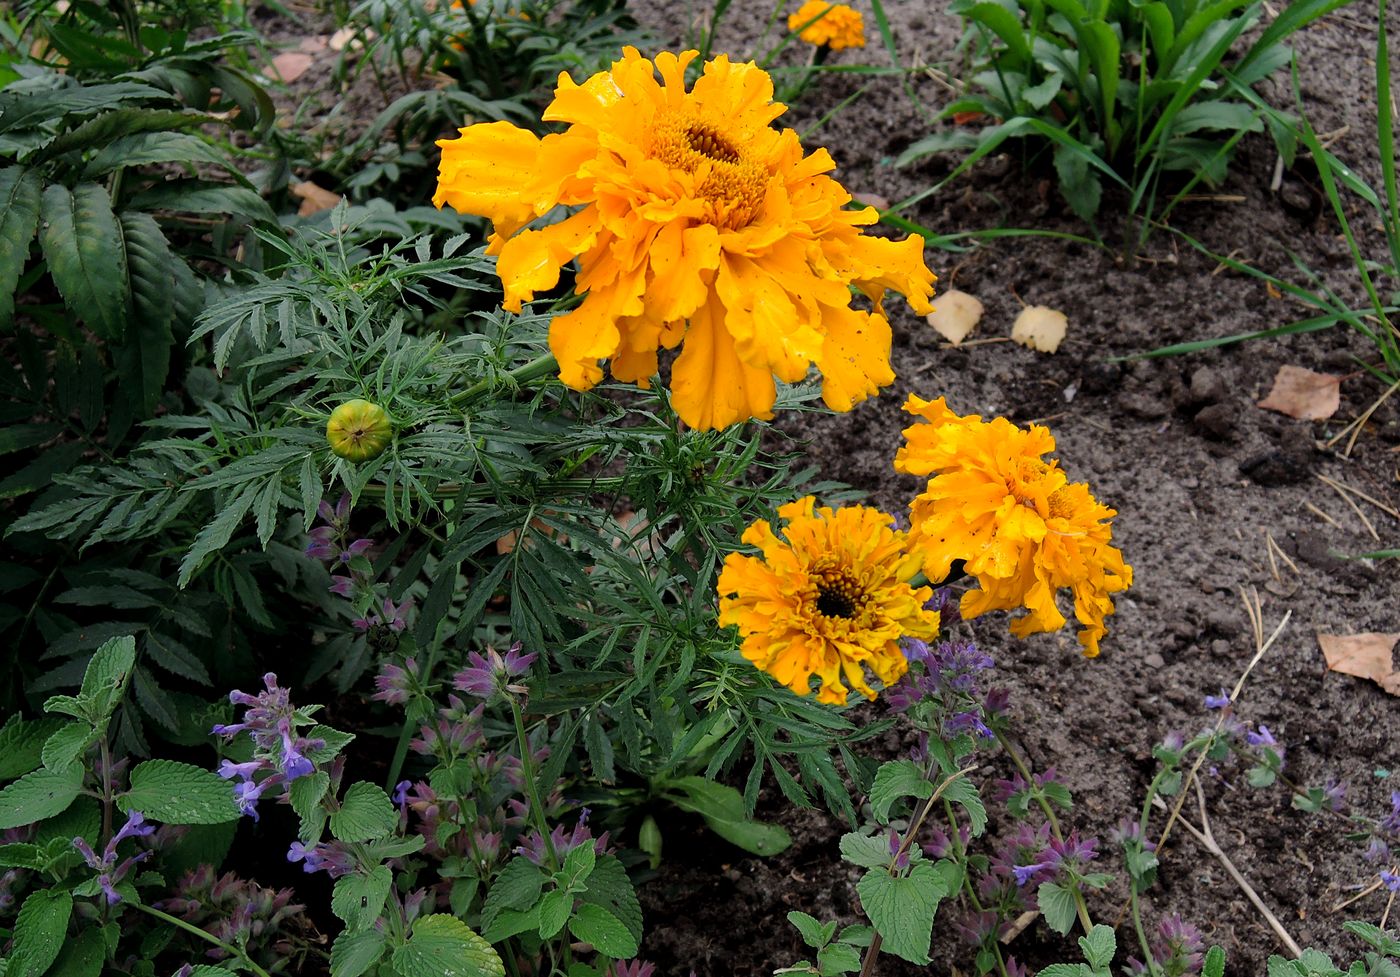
(872, 200)
(963, 118)
(1369, 655)
(314, 44)
(508, 542)
(314, 199)
(348, 37)
(955, 314)
(1304, 394)
(1040, 327)
(290, 65)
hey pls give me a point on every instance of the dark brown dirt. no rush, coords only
(1200, 477)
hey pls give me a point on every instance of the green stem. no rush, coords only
(1152, 967)
(538, 367)
(204, 935)
(551, 488)
(955, 839)
(532, 789)
(1079, 904)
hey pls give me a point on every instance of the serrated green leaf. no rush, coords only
(867, 851)
(1099, 946)
(22, 744)
(610, 888)
(144, 356)
(67, 745)
(179, 793)
(153, 147)
(838, 958)
(1214, 965)
(83, 955)
(175, 658)
(353, 954)
(153, 700)
(40, 931)
(358, 898)
(216, 534)
(107, 673)
(39, 795)
(444, 946)
(963, 792)
(902, 909)
(201, 197)
(594, 924)
(365, 813)
(1057, 906)
(896, 779)
(305, 795)
(517, 888)
(20, 192)
(21, 855)
(82, 244)
(554, 912)
(808, 927)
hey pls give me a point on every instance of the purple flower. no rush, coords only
(1015, 969)
(948, 605)
(395, 684)
(484, 677)
(899, 854)
(110, 873)
(915, 650)
(970, 722)
(996, 702)
(401, 793)
(533, 846)
(270, 719)
(343, 586)
(333, 858)
(1390, 880)
(900, 696)
(1025, 873)
(629, 968)
(1261, 738)
(244, 771)
(1218, 701)
(1335, 793)
(1178, 946)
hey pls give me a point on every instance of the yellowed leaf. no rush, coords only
(290, 65)
(1370, 655)
(955, 314)
(1040, 327)
(314, 199)
(1304, 394)
(348, 37)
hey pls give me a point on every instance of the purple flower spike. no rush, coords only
(1261, 738)
(1218, 701)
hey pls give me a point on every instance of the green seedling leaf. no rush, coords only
(1057, 906)
(67, 745)
(179, 793)
(1099, 946)
(809, 927)
(896, 779)
(554, 912)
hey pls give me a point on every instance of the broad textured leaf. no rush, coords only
(1099, 946)
(594, 924)
(896, 779)
(359, 897)
(67, 745)
(154, 147)
(867, 851)
(444, 946)
(22, 744)
(107, 673)
(516, 888)
(200, 197)
(20, 192)
(902, 909)
(83, 955)
(610, 888)
(306, 793)
(144, 358)
(355, 953)
(40, 932)
(366, 812)
(1057, 906)
(179, 793)
(964, 793)
(39, 795)
(83, 246)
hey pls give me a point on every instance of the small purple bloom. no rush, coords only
(1390, 880)
(1025, 873)
(1261, 738)
(401, 792)
(244, 771)
(1218, 701)
(484, 677)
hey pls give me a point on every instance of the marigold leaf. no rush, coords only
(83, 246)
(20, 193)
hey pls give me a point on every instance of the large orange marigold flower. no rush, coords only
(1023, 528)
(839, 26)
(830, 598)
(696, 222)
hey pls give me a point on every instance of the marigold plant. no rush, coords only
(1024, 530)
(698, 225)
(830, 598)
(834, 25)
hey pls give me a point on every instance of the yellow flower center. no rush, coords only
(1029, 473)
(1061, 506)
(838, 594)
(729, 181)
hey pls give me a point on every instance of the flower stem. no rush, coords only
(1152, 967)
(532, 789)
(1081, 907)
(538, 367)
(203, 935)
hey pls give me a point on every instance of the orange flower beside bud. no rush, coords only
(359, 430)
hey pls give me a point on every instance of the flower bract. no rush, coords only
(1023, 529)
(359, 430)
(834, 25)
(829, 598)
(695, 224)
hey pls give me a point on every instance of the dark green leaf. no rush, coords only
(365, 813)
(144, 357)
(594, 924)
(20, 191)
(41, 929)
(39, 795)
(179, 793)
(83, 246)
(902, 909)
(444, 946)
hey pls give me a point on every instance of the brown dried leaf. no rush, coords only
(1304, 394)
(510, 540)
(314, 44)
(290, 65)
(314, 199)
(348, 37)
(872, 200)
(955, 314)
(1040, 327)
(1369, 655)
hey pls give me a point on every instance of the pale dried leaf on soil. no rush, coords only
(290, 65)
(346, 37)
(1369, 655)
(1304, 394)
(1040, 327)
(872, 200)
(314, 198)
(955, 314)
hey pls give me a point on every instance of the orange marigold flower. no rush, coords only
(838, 26)
(1023, 528)
(695, 222)
(830, 598)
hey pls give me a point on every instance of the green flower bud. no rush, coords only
(359, 430)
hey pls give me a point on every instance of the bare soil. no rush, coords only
(1201, 478)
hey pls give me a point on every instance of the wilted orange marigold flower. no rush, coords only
(1023, 528)
(830, 598)
(696, 223)
(840, 26)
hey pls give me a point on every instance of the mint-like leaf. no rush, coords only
(40, 932)
(179, 793)
(896, 779)
(902, 909)
(444, 946)
(608, 934)
(1057, 906)
(365, 813)
(354, 954)
(39, 795)
(359, 898)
